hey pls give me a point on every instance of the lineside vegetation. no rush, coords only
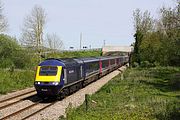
(157, 40)
(146, 94)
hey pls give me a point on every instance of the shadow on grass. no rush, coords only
(171, 113)
(166, 81)
(162, 86)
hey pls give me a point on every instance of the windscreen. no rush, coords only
(48, 71)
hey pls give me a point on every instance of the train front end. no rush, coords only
(49, 79)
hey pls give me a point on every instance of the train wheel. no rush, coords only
(61, 95)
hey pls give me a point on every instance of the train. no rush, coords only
(61, 77)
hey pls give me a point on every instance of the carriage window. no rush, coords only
(105, 63)
(48, 71)
(91, 67)
(112, 61)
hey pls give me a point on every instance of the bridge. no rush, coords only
(120, 50)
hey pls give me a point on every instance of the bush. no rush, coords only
(135, 64)
(11, 53)
(146, 64)
(175, 81)
(21, 59)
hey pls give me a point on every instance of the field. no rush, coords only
(139, 93)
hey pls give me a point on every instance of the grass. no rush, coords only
(72, 54)
(18, 79)
(141, 94)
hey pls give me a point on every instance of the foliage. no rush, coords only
(74, 54)
(157, 40)
(14, 80)
(146, 64)
(135, 64)
(142, 24)
(144, 94)
(11, 53)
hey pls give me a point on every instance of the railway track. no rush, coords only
(16, 98)
(18, 95)
(17, 114)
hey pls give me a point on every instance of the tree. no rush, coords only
(54, 42)
(170, 24)
(3, 20)
(32, 32)
(143, 23)
(12, 54)
(158, 41)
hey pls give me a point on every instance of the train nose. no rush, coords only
(48, 88)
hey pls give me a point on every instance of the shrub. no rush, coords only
(175, 81)
(147, 64)
(135, 64)
(11, 53)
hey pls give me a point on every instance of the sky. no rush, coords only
(99, 21)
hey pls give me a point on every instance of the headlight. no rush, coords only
(37, 83)
(55, 83)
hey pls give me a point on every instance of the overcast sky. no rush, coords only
(98, 20)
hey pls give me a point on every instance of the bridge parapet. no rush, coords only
(113, 49)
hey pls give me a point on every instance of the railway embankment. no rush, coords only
(139, 93)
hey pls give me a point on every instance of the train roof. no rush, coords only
(68, 62)
(90, 59)
(51, 62)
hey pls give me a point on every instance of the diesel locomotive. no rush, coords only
(56, 77)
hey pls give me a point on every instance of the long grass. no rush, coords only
(138, 94)
(18, 79)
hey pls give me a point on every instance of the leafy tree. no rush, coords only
(143, 23)
(11, 53)
(157, 41)
(170, 19)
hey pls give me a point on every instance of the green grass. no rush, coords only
(72, 54)
(19, 79)
(142, 94)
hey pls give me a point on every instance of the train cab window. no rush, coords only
(48, 71)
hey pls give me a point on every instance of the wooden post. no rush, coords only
(86, 102)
